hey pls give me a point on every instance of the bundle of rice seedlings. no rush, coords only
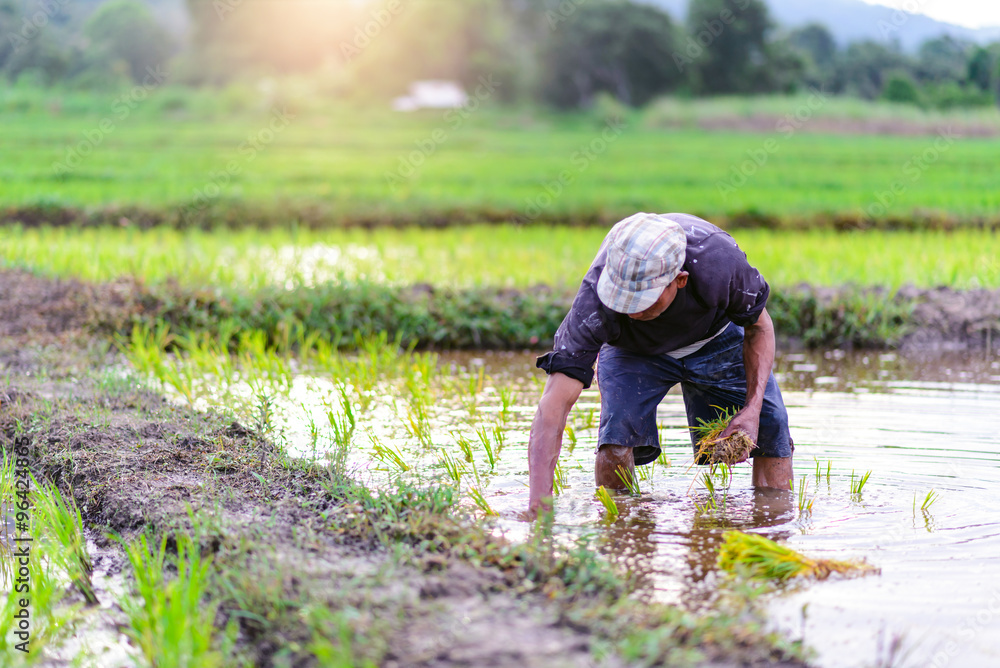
(712, 449)
(762, 558)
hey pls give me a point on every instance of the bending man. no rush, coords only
(669, 299)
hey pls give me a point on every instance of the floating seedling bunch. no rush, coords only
(758, 557)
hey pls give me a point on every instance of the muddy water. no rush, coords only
(918, 424)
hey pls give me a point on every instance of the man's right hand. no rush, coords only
(545, 441)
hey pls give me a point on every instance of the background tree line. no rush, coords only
(561, 52)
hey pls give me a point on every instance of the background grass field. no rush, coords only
(534, 165)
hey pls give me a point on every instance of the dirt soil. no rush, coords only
(134, 462)
(849, 126)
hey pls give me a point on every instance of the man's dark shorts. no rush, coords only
(632, 386)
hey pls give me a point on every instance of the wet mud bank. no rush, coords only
(438, 318)
(239, 215)
(308, 566)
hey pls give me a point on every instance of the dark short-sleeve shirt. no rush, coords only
(722, 287)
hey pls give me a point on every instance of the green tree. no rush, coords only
(729, 41)
(8, 19)
(863, 68)
(618, 47)
(125, 31)
(943, 59)
(982, 69)
(900, 87)
(817, 41)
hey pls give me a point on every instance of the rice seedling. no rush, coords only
(465, 445)
(570, 438)
(491, 452)
(712, 502)
(52, 617)
(610, 507)
(712, 449)
(388, 455)
(8, 498)
(342, 427)
(145, 347)
(499, 438)
(829, 467)
(663, 460)
(506, 402)
(472, 389)
(857, 485)
(629, 479)
(587, 417)
(928, 501)
(480, 501)
(170, 622)
(645, 473)
(452, 467)
(805, 504)
(754, 556)
(59, 521)
(558, 479)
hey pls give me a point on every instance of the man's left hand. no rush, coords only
(747, 420)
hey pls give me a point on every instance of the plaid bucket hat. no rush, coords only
(645, 253)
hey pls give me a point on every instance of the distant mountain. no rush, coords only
(852, 20)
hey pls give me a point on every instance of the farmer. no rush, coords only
(670, 298)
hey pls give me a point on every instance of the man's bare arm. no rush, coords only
(545, 441)
(758, 359)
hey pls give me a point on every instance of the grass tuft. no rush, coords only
(170, 622)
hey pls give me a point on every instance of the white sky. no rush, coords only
(971, 13)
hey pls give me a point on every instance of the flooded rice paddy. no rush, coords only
(919, 425)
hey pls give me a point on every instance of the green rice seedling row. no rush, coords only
(506, 256)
